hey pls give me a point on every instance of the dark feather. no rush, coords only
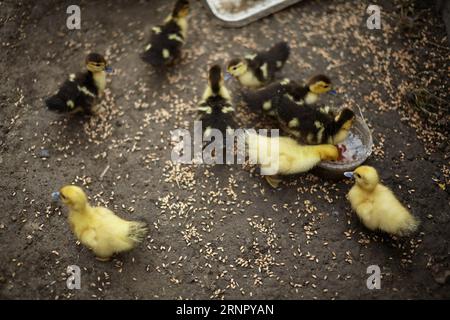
(307, 117)
(275, 58)
(255, 99)
(69, 91)
(160, 41)
(217, 119)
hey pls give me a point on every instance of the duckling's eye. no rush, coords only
(62, 196)
(357, 175)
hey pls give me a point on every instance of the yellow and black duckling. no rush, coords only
(216, 108)
(258, 69)
(81, 91)
(164, 48)
(285, 156)
(313, 126)
(377, 206)
(267, 99)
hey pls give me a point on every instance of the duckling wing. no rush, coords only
(279, 155)
(365, 212)
(89, 239)
(60, 102)
(296, 158)
(362, 203)
(276, 57)
(111, 230)
(393, 217)
(264, 99)
(77, 92)
(266, 63)
(217, 113)
(304, 120)
(297, 91)
(165, 44)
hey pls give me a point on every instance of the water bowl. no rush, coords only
(355, 150)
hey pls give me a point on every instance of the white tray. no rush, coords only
(238, 19)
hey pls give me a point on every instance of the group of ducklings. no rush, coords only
(292, 104)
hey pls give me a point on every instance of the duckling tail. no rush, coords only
(410, 226)
(153, 58)
(345, 115)
(280, 52)
(55, 103)
(215, 77)
(137, 231)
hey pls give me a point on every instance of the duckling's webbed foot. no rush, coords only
(103, 259)
(274, 181)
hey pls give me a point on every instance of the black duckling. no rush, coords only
(258, 69)
(81, 91)
(311, 125)
(267, 99)
(164, 48)
(216, 108)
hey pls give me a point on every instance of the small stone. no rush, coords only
(44, 153)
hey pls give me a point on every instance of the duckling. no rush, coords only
(256, 70)
(284, 156)
(377, 206)
(164, 48)
(99, 228)
(215, 109)
(310, 92)
(267, 99)
(312, 125)
(81, 91)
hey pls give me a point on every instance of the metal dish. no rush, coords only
(335, 168)
(249, 14)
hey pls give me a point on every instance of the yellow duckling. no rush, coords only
(284, 156)
(377, 206)
(99, 228)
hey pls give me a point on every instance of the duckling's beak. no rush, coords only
(108, 69)
(332, 92)
(55, 196)
(227, 76)
(349, 174)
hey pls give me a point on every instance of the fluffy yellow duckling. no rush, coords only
(377, 206)
(99, 228)
(284, 156)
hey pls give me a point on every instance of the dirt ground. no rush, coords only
(219, 231)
